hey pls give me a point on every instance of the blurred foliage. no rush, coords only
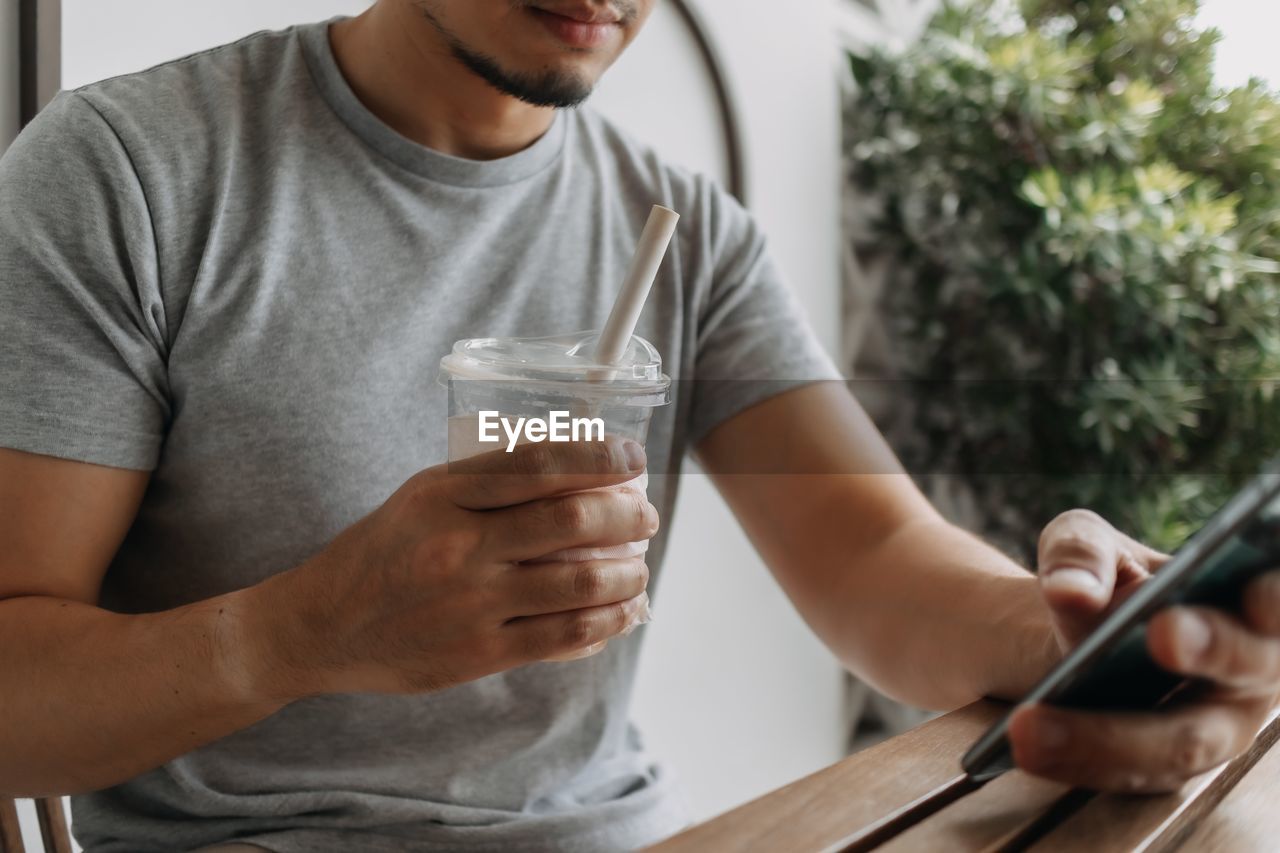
(1086, 244)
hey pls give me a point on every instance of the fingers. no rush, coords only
(1209, 643)
(1085, 567)
(1261, 605)
(532, 471)
(1138, 752)
(589, 651)
(601, 518)
(557, 635)
(559, 587)
(1238, 652)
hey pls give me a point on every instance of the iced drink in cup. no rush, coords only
(509, 391)
(587, 385)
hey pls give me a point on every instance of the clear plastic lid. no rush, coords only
(560, 360)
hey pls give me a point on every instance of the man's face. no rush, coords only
(545, 52)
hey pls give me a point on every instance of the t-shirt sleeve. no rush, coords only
(754, 340)
(82, 342)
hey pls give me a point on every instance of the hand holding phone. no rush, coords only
(1102, 693)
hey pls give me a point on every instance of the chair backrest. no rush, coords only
(52, 819)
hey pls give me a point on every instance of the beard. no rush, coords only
(548, 88)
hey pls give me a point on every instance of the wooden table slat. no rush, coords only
(984, 819)
(1248, 819)
(835, 804)
(904, 796)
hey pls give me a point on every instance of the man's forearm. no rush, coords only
(90, 698)
(938, 618)
(925, 611)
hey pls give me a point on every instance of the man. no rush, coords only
(240, 603)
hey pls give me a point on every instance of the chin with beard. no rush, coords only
(546, 89)
(542, 89)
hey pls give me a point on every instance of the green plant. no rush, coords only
(1085, 237)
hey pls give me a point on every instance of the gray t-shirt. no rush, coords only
(227, 271)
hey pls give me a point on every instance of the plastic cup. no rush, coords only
(534, 377)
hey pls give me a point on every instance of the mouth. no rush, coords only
(579, 27)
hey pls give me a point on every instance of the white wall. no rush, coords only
(103, 39)
(8, 71)
(1248, 40)
(733, 691)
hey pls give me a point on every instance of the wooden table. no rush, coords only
(907, 794)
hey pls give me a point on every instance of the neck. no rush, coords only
(404, 72)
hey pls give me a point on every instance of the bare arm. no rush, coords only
(920, 608)
(89, 697)
(933, 616)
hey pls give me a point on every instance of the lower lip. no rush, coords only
(575, 33)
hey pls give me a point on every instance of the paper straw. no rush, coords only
(635, 288)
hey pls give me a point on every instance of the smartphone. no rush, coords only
(1111, 669)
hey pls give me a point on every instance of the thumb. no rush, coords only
(1077, 560)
